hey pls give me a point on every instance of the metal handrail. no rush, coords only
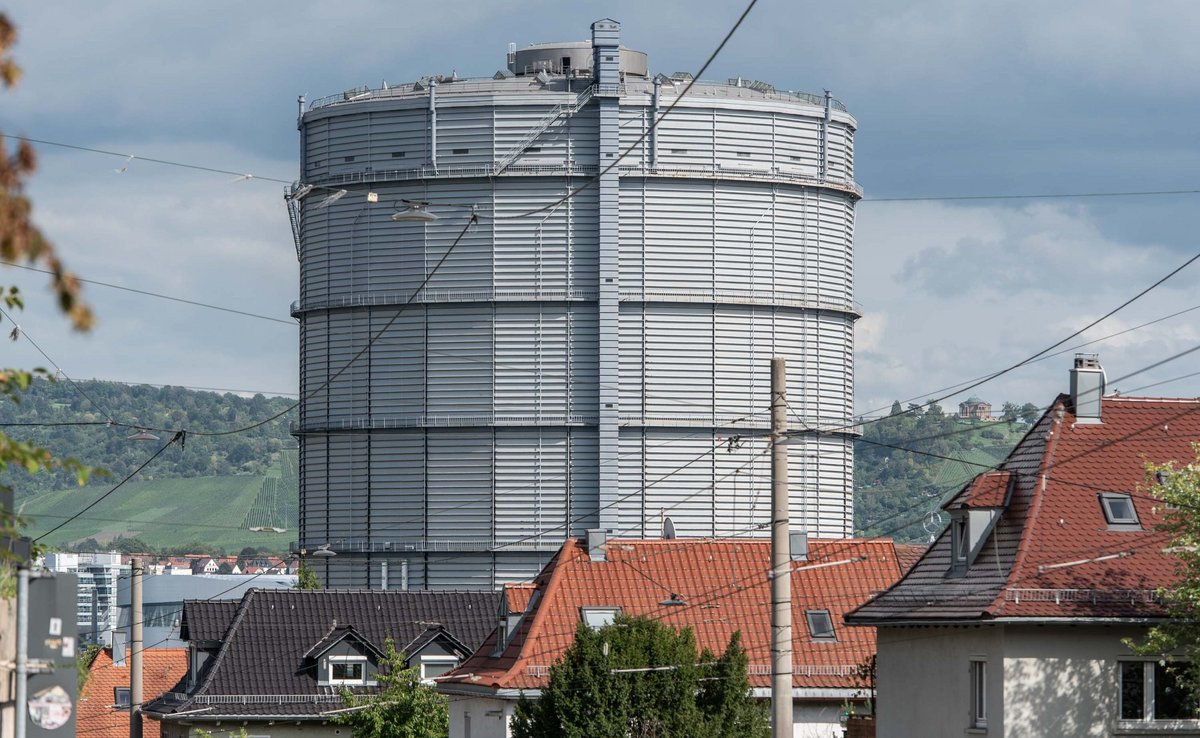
(568, 109)
(571, 168)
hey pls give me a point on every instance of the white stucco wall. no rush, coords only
(818, 719)
(813, 718)
(1051, 680)
(924, 681)
(475, 710)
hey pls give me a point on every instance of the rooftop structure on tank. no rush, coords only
(594, 352)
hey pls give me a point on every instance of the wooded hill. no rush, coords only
(210, 489)
(213, 489)
(906, 464)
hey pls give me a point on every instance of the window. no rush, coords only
(339, 671)
(460, 151)
(820, 625)
(121, 697)
(347, 670)
(435, 666)
(979, 693)
(349, 159)
(598, 617)
(959, 540)
(1119, 511)
(1155, 691)
(398, 154)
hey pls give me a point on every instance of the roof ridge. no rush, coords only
(1045, 466)
(539, 616)
(230, 632)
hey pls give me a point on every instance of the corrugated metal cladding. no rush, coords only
(602, 361)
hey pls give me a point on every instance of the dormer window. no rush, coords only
(346, 670)
(121, 698)
(598, 617)
(1119, 511)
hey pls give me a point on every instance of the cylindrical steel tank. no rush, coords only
(603, 362)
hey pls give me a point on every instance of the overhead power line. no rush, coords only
(159, 295)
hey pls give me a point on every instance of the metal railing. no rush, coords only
(738, 297)
(253, 699)
(568, 109)
(702, 88)
(571, 168)
(1092, 596)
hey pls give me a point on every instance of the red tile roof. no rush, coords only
(986, 490)
(724, 586)
(1052, 553)
(162, 668)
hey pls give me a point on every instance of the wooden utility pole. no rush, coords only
(135, 649)
(781, 560)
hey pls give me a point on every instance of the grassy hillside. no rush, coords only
(166, 513)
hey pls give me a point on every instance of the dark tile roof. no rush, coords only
(1052, 553)
(264, 650)
(206, 620)
(724, 588)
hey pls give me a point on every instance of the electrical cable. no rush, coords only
(1049, 348)
(1068, 350)
(158, 295)
(24, 334)
(135, 157)
(178, 437)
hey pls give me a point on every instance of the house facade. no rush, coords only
(276, 661)
(714, 586)
(1014, 621)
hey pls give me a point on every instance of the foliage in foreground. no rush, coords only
(22, 242)
(1179, 492)
(585, 699)
(403, 707)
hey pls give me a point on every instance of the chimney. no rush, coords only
(798, 545)
(596, 540)
(1087, 388)
(118, 648)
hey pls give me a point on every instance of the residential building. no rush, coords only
(275, 661)
(715, 587)
(104, 700)
(1014, 621)
(608, 317)
(98, 575)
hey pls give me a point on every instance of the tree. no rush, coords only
(1011, 412)
(306, 578)
(21, 241)
(1179, 489)
(896, 409)
(598, 689)
(403, 707)
(1030, 413)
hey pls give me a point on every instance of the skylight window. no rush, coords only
(820, 625)
(598, 617)
(1119, 511)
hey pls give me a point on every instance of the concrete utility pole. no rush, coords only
(22, 673)
(781, 560)
(135, 649)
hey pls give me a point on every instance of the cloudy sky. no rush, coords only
(952, 98)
